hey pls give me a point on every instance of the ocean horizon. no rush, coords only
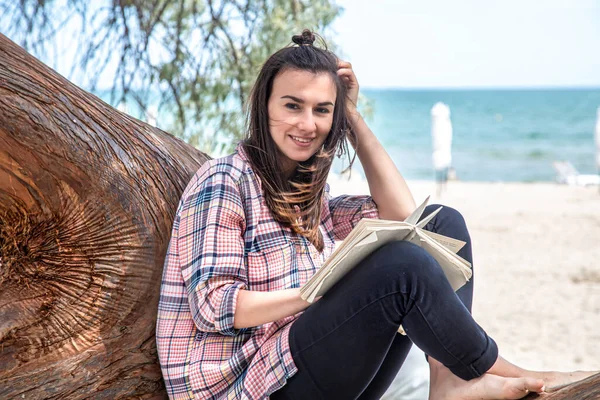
(499, 134)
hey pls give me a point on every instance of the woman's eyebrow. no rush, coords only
(296, 99)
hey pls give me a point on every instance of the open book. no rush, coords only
(370, 234)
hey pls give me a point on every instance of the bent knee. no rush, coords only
(403, 257)
(452, 215)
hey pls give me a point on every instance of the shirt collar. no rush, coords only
(239, 149)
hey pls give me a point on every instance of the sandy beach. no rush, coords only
(537, 266)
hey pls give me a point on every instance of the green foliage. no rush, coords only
(195, 60)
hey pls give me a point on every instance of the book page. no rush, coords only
(425, 221)
(372, 237)
(454, 275)
(454, 245)
(416, 215)
(457, 270)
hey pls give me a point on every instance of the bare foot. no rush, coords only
(486, 387)
(446, 386)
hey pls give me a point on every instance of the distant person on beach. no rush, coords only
(252, 227)
(452, 176)
(441, 136)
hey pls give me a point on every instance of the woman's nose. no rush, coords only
(307, 122)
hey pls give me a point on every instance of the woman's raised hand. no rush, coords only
(347, 75)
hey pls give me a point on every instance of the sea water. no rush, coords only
(498, 135)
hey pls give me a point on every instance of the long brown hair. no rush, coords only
(304, 190)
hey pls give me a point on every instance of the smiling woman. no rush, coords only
(301, 114)
(87, 200)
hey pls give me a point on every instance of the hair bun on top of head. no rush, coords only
(307, 38)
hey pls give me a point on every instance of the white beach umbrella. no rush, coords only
(597, 135)
(441, 134)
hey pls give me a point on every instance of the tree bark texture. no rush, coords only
(588, 389)
(87, 201)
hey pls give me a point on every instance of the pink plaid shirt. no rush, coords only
(225, 239)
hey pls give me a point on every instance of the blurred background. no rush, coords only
(521, 78)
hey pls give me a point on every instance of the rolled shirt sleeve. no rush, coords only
(347, 210)
(211, 252)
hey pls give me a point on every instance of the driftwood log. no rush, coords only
(87, 200)
(587, 389)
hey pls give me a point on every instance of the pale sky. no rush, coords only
(456, 43)
(469, 43)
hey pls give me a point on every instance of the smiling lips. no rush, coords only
(302, 141)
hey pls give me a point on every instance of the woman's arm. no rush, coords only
(257, 308)
(387, 186)
(214, 271)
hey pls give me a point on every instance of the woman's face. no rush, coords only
(300, 114)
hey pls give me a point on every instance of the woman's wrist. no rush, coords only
(354, 116)
(298, 298)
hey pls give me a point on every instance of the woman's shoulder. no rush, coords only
(232, 165)
(232, 168)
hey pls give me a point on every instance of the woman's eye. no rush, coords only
(292, 106)
(323, 110)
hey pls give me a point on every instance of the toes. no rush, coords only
(534, 385)
(517, 388)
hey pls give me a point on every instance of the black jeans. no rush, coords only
(346, 345)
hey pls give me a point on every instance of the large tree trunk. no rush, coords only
(87, 199)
